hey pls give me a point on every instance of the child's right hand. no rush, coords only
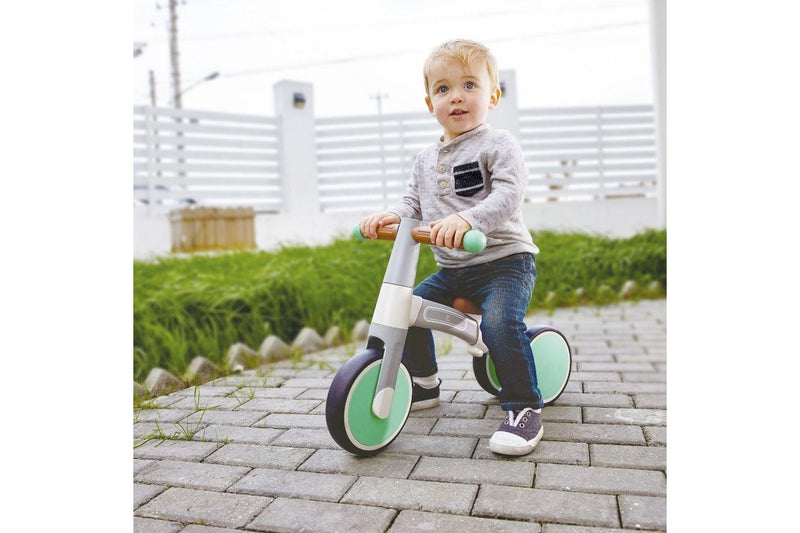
(370, 223)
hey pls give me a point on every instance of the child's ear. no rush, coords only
(494, 97)
(430, 104)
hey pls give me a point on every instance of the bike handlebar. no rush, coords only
(473, 241)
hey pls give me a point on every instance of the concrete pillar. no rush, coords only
(658, 45)
(506, 116)
(294, 108)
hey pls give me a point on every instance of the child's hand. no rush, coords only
(449, 231)
(370, 223)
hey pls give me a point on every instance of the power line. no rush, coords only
(392, 23)
(370, 57)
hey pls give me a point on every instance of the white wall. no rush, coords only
(614, 218)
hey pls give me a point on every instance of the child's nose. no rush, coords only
(455, 96)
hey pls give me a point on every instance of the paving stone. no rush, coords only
(561, 528)
(386, 464)
(161, 415)
(545, 452)
(644, 377)
(481, 397)
(594, 376)
(595, 433)
(656, 436)
(192, 475)
(313, 394)
(438, 446)
(149, 525)
(610, 415)
(546, 506)
(642, 512)
(615, 367)
(195, 528)
(140, 465)
(475, 471)
(281, 420)
(650, 401)
(419, 426)
(451, 410)
(412, 494)
(238, 434)
(181, 450)
(306, 438)
(280, 392)
(309, 383)
(230, 418)
(644, 457)
(595, 400)
(293, 484)
(205, 403)
(410, 521)
(600, 480)
(257, 456)
(200, 506)
(460, 427)
(301, 515)
(624, 387)
(143, 493)
(279, 405)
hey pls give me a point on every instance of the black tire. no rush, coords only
(348, 411)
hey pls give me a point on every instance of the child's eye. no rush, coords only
(469, 85)
(442, 89)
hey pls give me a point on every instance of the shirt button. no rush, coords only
(442, 169)
(442, 184)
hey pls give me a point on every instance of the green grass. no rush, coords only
(200, 305)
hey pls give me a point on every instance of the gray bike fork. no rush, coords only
(392, 315)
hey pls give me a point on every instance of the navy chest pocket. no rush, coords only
(468, 179)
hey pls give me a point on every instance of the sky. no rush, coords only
(564, 52)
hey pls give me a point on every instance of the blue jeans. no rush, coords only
(503, 289)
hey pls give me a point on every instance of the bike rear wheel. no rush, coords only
(348, 411)
(552, 357)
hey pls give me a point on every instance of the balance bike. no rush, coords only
(369, 399)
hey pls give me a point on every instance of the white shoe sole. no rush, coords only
(425, 404)
(509, 444)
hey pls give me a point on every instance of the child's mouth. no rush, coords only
(458, 112)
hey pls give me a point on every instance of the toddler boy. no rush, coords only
(474, 177)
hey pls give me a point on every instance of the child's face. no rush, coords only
(460, 97)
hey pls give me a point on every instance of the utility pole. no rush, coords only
(384, 189)
(152, 88)
(173, 53)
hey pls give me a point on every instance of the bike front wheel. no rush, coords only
(348, 410)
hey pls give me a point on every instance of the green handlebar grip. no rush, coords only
(357, 233)
(474, 241)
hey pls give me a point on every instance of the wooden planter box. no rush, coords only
(197, 229)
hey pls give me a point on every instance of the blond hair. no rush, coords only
(466, 53)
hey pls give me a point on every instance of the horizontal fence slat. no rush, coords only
(200, 167)
(172, 113)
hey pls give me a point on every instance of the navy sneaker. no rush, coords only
(518, 434)
(422, 398)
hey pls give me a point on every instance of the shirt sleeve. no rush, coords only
(509, 179)
(409, 206)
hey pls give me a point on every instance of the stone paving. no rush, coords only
(251, 452)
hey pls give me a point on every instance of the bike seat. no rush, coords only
(466, 306)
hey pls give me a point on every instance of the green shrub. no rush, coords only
(200, 305)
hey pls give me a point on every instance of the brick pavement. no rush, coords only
(252, 452)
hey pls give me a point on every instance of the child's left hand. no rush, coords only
(449, 231)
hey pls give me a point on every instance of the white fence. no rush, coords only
(197, 157)
(307, 178)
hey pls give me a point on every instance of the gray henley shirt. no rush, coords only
(481, 176)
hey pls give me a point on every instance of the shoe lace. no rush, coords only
(514, 421)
